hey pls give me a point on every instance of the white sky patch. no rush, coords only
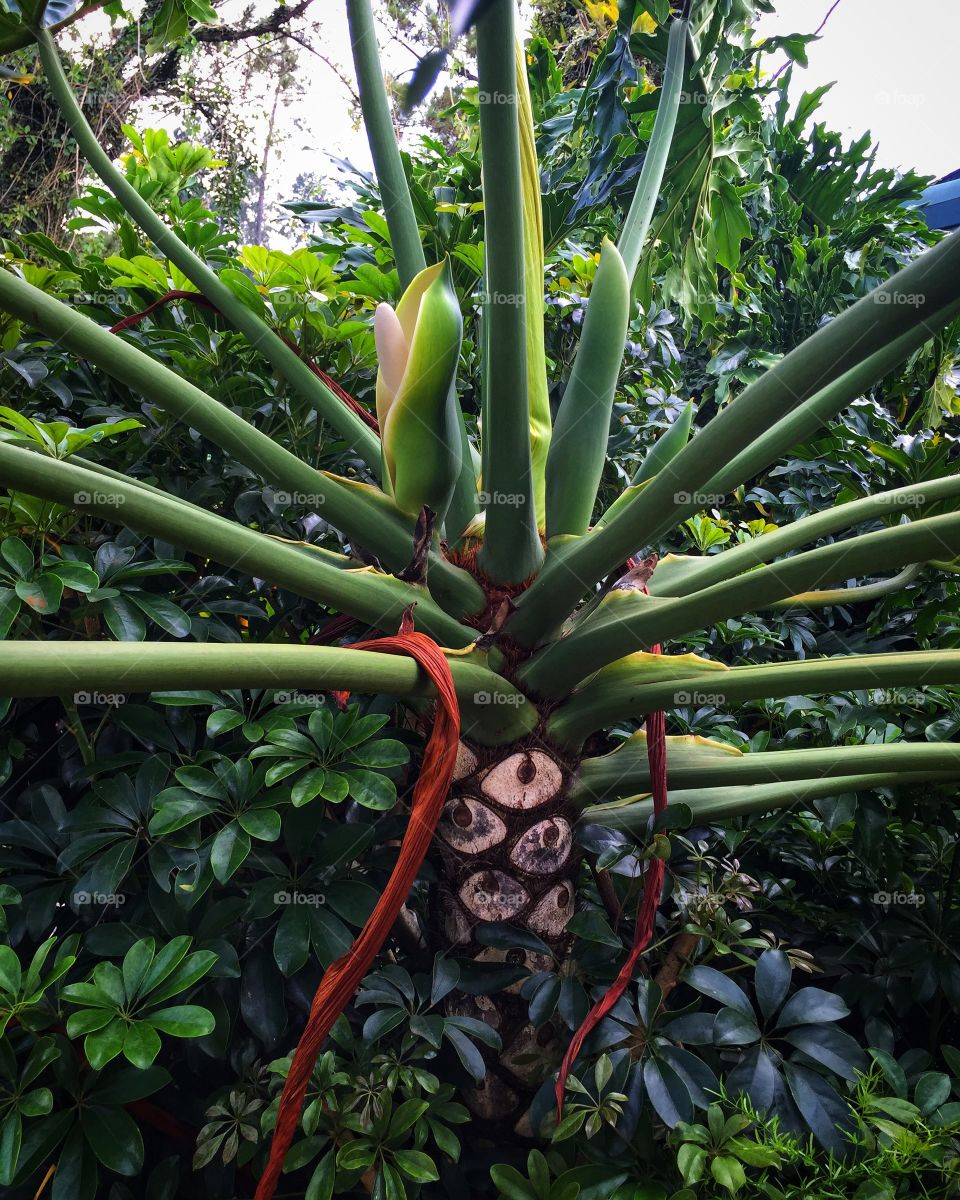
(895, 70)
(893, 63)
(894, 67)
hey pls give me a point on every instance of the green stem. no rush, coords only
(627, 621)
(378, 599)
(362, 513)
(618, 697)
(637, 222)
(80, 460)
(332, 557)
(821, 408)
(288, 365)
(923, 294)
(692, 575)
(578, 451)
(582, 431)
(626, 771)
(30, 668)
(177, 396)
(853, 595)
(721, 804)
(394, 190)
(538, 393)
(84, 745)
(511, 549)
(464, 501)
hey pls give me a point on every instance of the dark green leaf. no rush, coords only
(371, 790)
(732, 1028)
(932, 1089)
(114, 1138)
(772, 981)
(810, 1006)
(826, 1114)
(183, 1020)
(415, 1165)
(831, 1047)
(229, 851)
(720, 987)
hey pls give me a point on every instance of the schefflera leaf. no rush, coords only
(418, 347)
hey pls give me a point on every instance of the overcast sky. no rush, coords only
(894, 65)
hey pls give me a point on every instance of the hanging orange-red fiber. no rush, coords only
(343, 977)
(656, 727)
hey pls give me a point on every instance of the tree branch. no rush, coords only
(282, 15)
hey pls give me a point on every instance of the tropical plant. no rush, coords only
(896, 1146)
(549, 608)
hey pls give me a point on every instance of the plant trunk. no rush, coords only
(260, 219)
(507, 856)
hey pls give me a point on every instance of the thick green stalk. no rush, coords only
(378, 599)
(287, 364)
(626, 771)
(821, 408)
(692, 575)
(464, 502)
(920, 295)
(666, 448)
(582, 430)
(80, 460)
(619, 697)
(856, 594)
(511, 549)
(176, 395)
(637, 223)
(394, 190)
(378, 526)
(709, 805)
(538, 396)
(579, 448)
(628, 621)
(331, 557)
(30, 668)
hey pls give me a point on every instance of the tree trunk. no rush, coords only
(260, 219)
(507, 855)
